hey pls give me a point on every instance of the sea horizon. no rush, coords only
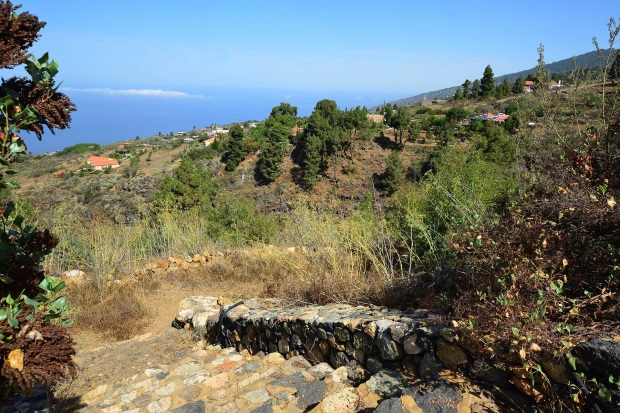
(105, 116)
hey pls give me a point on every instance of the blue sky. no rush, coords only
(138, 67)
(397, 46)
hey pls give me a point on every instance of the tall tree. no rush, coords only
(504, 89)
(187, 187)
(458, 95)
(518, 86)
(393, 176)
(312, 162)
(233, 150)
(400, 122)
(277, 130)
(476, 89)
(323, 138)
(466, 88)
(487, 83)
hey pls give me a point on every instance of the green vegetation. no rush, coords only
(79, 148)
(234, 152)
(188, 187)
(509, 228)
(277, 130)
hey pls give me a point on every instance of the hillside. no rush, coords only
(589, 60)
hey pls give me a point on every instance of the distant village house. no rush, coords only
(499, 118)
(375, 118)
(296, 131)
(99, 163)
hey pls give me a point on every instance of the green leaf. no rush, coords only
(32, 303)
(604, 394)
(59, 302)
(45, 284)
(515, 331)
(13, 322)
(9, 209)
(6, 102)
(8, 185)
(572, 361)
(18, 221)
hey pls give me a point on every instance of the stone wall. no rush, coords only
(371, 339)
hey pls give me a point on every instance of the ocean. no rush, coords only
(110, 117)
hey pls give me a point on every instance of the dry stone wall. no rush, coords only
(373, 340)
(342, 335)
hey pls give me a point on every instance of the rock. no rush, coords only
(389, 349)
(321, 370)
(341, 334)
(339, 359)
(601, 356)
(363, 342)
(398, 331)
(450, 355)
(283, 346)
(197, 407)
(391, 406)
(387, 383)
(160, 406)
(344, 401)
(557, 370)
(429, 366)
(483, 369)
(356, 373)
(410, 345)
(311, 394)
(374, 365)
(191, 305)
(74, 274)
(257, 396)
(436, 396)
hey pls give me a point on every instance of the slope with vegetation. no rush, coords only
(508, 228)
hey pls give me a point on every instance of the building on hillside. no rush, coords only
(529, 86)
(209, 141)
(179, 134)
(485, 117)
(375, 118)
(220, 131)
(296, 131)
(99, 163)
(431, 102)
(188, 140)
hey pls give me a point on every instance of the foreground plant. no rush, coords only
(34, 344)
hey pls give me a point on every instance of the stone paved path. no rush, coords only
(166, 373)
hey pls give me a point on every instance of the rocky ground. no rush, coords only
(169, 372)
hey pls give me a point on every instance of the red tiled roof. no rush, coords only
(101, 161)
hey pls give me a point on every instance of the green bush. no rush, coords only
(462, 192)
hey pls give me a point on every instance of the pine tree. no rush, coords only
(393, 176)
(233, 152)
(458, 95)
(186, 188)
(466, 89)
(518, 86)
(476, 90)
(487, 83)
(270, 161)
(312, 162)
